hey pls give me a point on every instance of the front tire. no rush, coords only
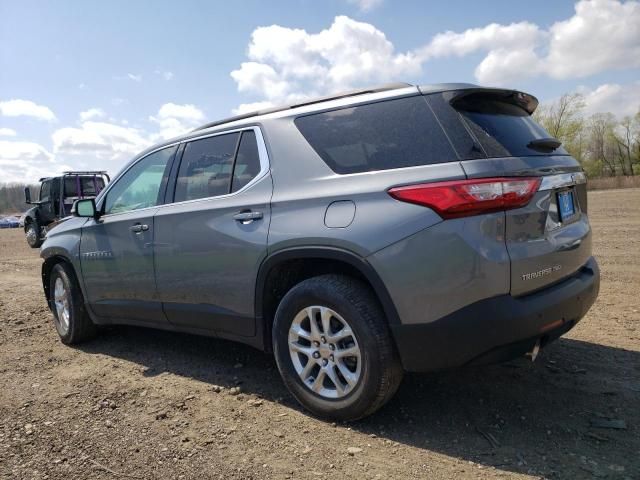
(70, 317)
(32, 232)
(333, 348)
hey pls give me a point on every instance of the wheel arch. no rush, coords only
(300, 259)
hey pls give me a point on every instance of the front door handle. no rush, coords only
(247, 216)
(138, 228)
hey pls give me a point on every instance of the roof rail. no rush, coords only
(311, 101)
(84, 172)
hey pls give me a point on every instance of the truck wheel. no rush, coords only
(65, 298)
(333, 348)
(32, 231)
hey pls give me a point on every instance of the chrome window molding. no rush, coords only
(551, 182)
(262, 155)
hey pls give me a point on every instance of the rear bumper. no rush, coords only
(498, 328)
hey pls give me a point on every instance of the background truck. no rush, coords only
(56, 198)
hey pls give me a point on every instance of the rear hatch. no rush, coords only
(549, 238)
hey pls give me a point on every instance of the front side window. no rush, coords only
(140, 186)
(45, 191)
(377, 136)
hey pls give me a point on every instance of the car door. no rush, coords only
(45, 211)
(116, 250)
(210, 242)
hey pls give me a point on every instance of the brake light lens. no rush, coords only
(463, 198)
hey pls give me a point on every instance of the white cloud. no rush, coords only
(7, 132)
(92, 113)
(135, 78)
(621, 100)
(175, 119)
(100, 145)
(26, 161)
(167, 75)
(366, 5)
(251, 107)
(289, 64)
(26, 108)
(603, 34)
(94, 144)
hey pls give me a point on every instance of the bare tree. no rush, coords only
(627, 137)
(602, 145)
(563, 120)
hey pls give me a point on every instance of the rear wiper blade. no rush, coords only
(544, 144)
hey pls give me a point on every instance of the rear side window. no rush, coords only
(206, 167)
(378, 136)
(247, 164)
(89, 186)
(502, 128)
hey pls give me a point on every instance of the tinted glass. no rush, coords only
(247, 164)
(89, 186)
(377, 136)
(503, 129)
(466, 147)
(140, 186)
(45, 190)
(206, 167)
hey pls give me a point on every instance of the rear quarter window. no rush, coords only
(377, 136)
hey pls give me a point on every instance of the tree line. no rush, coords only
(12, 197)
(604, 145)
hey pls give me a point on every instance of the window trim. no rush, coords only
(105, 192)
(262, 155)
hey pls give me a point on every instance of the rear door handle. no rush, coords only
(138, 228)
(247, 217)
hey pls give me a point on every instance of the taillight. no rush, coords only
(463, 198)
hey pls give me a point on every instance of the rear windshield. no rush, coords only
(503, 129)
(377, 136)
(89, 186)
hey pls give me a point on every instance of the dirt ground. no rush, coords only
(145, 404)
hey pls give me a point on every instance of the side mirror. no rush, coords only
(27, 196)
(84, 208)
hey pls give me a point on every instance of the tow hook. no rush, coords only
(534, 351)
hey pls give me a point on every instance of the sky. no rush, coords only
(89, 84)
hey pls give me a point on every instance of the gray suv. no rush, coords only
(356, 237)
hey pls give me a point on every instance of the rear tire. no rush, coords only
(365, 372)
(32, 232)
(70, 317)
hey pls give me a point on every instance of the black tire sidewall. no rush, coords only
(309, 294)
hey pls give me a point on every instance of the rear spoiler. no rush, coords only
(458, 95)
